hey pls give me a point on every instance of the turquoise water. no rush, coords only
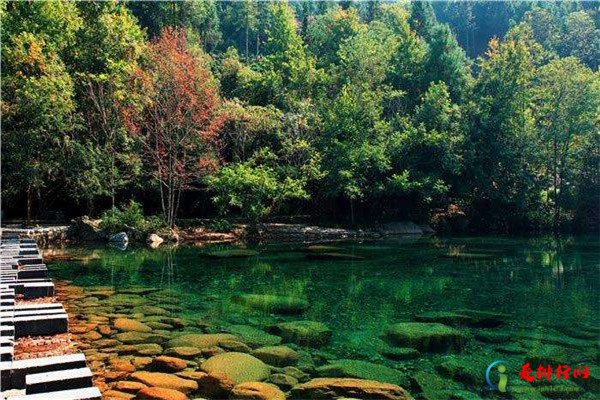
(546, 294)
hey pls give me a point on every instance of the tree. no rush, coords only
(103, 157)
(200, 17)
(37, 97)
(501, 136)
(327, 32)
(567, 100)
(179, 120)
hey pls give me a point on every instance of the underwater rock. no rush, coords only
(149, 310)
(215, 385)
(257, 391)
(168, 381)
(131, 325)
(232, 253)
(469, 369)
(129, 386)
(434, 387)
(445, 317)
(303, 333)
(320, 248)
(332, 388)
(239, 367)
(132, 337)
(125, 300)
(184, 352)
(399, 353)
(272, 303)
(426, 336)
(278, 356)
(253, 336)
(158, 393)
(485, 319)
(148, 349)
(333, 256)
(167, 364)
(492, 336)
(362, 370)
(283, 381)
(200, 340)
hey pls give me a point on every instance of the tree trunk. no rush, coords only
(555, 222)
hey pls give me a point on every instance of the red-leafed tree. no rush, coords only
(178, 120)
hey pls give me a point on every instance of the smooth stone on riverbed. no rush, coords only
(362, 370)
(158, 393)
(272, 303)
(167, 381)
(183, 352)
(167, 364)
(239, 367)
(253, 336)
(333, 388)
(303, 333)
(278, 356)
(426, 336)
(232, 253)
(399, 353)
(256, 391)
(201, 340)
(131, 325)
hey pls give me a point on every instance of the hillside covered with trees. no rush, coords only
(486, 113)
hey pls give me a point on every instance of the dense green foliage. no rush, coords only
(354, 110)
(129, 218)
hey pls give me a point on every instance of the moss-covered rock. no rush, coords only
(434, 387)
(200, 340)
(362, 370)
(469, 369)
(253, 336)
(398, 353)
(272, 303)
(131, 325)
(492, 336)
(303, 333)
(239, 367)
(335, 388)
(278, 356)
(426, 336)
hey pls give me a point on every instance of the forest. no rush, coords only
(479, 116)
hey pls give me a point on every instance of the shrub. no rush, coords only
(129, 218)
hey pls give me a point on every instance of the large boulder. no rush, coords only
(167, 364)
(362, 370)
(120, 237)
(239, 367)
(201, 340)
(257, 391)
(426, 336)
(272, 303)
(333, 388)
(303, 333)
(84, 229)
(167, 381)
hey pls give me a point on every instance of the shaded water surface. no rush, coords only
(546, 294)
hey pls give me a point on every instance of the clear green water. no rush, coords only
(551, 291)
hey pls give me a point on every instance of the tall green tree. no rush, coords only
(37, 97)
(567, 102)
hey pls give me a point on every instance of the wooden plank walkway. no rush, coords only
(23, 275)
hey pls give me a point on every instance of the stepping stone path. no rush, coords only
(35, 376)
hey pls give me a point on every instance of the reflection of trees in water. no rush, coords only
(168, 266)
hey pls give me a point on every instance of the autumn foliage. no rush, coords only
(178, 119)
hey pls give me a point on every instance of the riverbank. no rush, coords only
(86, 230)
